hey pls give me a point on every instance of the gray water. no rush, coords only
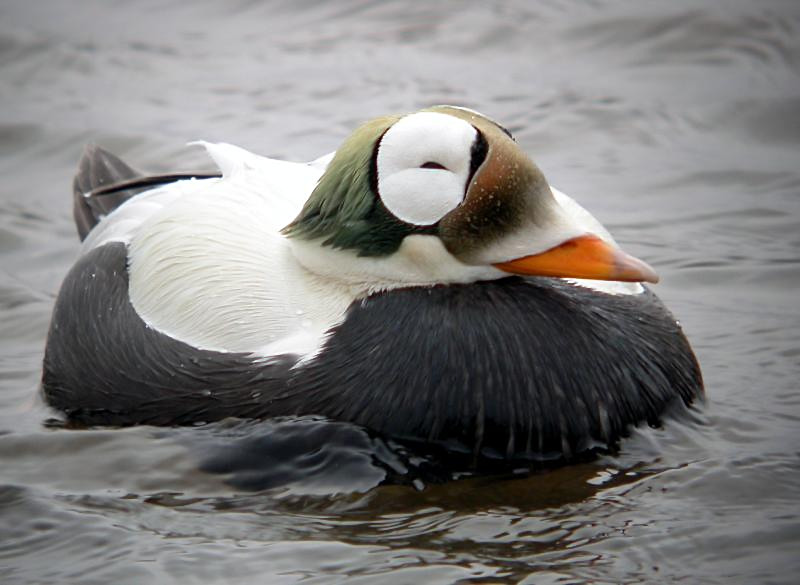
(676, 123)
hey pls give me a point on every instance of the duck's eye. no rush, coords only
(432, 165)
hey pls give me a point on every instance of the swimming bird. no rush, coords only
(423, 281)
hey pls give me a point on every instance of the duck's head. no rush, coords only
(446, 195)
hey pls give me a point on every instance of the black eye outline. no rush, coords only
(433, 165)
(478, 153)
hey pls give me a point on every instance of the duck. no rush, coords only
(424, 282)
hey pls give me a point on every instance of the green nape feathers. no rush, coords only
(344, 209)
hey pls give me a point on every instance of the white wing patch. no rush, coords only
(214, 271)
(125, 220)
(209, 267)
(284, 185)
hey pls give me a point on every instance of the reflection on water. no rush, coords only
(675, 123)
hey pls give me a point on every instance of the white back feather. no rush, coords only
(209, 267)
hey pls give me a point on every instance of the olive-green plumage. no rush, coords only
(343, 208)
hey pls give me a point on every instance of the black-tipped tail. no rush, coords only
(104, 182)
(98, 168)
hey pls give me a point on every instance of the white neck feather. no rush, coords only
(420, 261)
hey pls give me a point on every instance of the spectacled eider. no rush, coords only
(420, 282)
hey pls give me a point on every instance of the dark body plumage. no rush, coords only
(515, 367)
(533, 368)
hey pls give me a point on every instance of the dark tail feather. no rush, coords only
(104, 182)
(98, 168)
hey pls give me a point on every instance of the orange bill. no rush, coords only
(583, 257)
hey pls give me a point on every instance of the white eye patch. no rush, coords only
(423, 164)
